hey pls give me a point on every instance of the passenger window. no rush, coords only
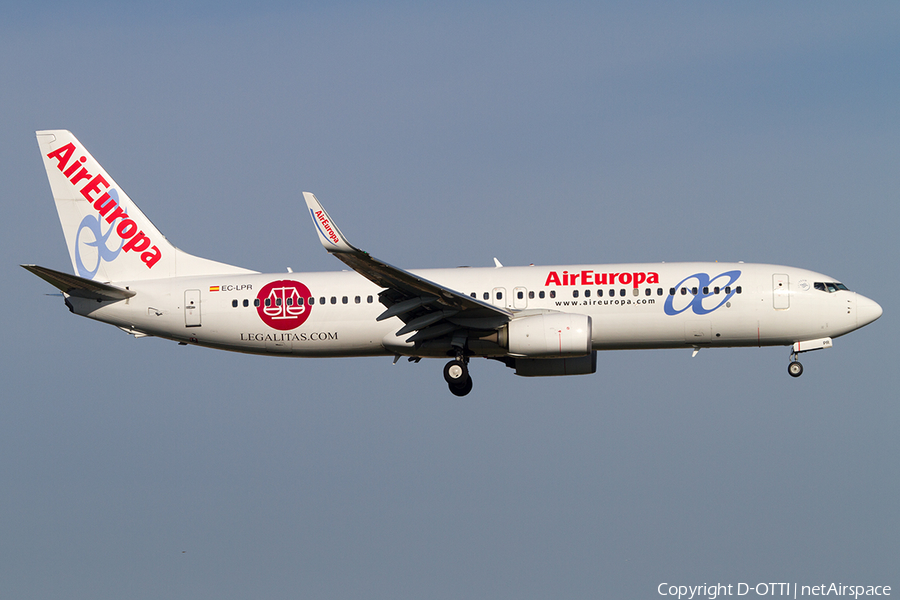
(671, 291)
(299, 301)
(290, 301)
(541, 294)
(520, 295)
(531, 295)
(246, 303)
(622, 292)
(334, 299)
(587, 293)
(369, 299)
(599, 293)
(487, 296)
(683, 291)
(321, 299)
(357, 299)
(706, 291)
(256, 302)
(659, 291)
(738, 289)
(277, 301)
(694, 291)
(268, 302)
(311, 301)
(234, 303)
(474, 295)
(727, 289)
(345, 300)
(716, 290)
(574, 293)
(648, 292)
(499, 295)
(553, 293)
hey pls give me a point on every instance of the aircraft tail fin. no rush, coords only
(108, 237)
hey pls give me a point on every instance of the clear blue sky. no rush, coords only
(442, 136)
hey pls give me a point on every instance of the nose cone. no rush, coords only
(866, 310)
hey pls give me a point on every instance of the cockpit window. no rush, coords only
(830, 286)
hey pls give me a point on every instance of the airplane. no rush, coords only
(539, 321)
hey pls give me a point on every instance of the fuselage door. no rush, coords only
(192, 308)
(520, 298)
(781, 291)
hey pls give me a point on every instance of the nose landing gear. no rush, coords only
(456, 374)
(795, 369)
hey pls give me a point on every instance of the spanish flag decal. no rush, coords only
(214, 288)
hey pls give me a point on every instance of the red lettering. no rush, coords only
(151, 256)
(82, 174)
(138, 243)
(653, 278)
(552, 278)
(586, 277)
(126, 228)
(625, 278)
(68, 172)
(115, 214)
(93, 187)
(62, 155)
(94, 191)
(639, 278)
(600, 279)
(104, 204)
(565, 278)
(573, 279)
(612, 278)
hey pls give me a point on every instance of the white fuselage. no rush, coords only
(630, 306)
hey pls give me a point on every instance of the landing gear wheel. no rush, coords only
(795, 369)
(461, 389)
(455, 373)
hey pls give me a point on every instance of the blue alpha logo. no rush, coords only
(92, 241)
(711, 293)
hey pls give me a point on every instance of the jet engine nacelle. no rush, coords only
(548, 335)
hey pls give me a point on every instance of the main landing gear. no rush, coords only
(456, 374)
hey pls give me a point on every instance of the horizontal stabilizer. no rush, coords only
(79, 286)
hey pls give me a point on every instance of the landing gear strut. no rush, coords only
(795, 369)
(456, 374)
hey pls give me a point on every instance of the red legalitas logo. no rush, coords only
(284, 304)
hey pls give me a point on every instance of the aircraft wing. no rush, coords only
(79, 286)
(431, 309)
